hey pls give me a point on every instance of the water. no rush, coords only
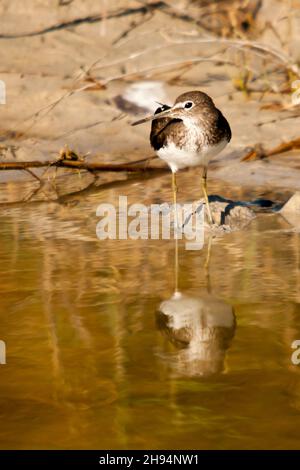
(100, 355)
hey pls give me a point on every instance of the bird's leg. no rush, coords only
(207, 264)
(174, 190)
(176, 266)
(204, 188)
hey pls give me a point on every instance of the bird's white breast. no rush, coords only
(189, 155)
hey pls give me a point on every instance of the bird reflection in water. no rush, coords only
(200, 327)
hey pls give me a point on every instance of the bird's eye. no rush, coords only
(188, 104)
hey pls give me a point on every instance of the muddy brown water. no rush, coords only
(100, 355)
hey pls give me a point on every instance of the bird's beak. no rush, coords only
(166, 113)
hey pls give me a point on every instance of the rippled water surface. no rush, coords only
(100, 354)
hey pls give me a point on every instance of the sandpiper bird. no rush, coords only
(190, 133)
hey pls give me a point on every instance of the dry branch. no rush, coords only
(80, 165)
(258, 152)
(87, 19)
(73, 161)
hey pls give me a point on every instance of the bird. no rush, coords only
(201, 328)
(188, 134)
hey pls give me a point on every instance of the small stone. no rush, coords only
(291, 211)
(228, 215)
(292, 205)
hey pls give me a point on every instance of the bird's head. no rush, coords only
(187, 105)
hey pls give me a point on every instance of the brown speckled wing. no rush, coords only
(224, 126)
(164, 132)
(215, 127)
(165, 129)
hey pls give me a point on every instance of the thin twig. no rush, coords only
(252, 45)
(180, 63)
(145, 18)
(258, 152)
